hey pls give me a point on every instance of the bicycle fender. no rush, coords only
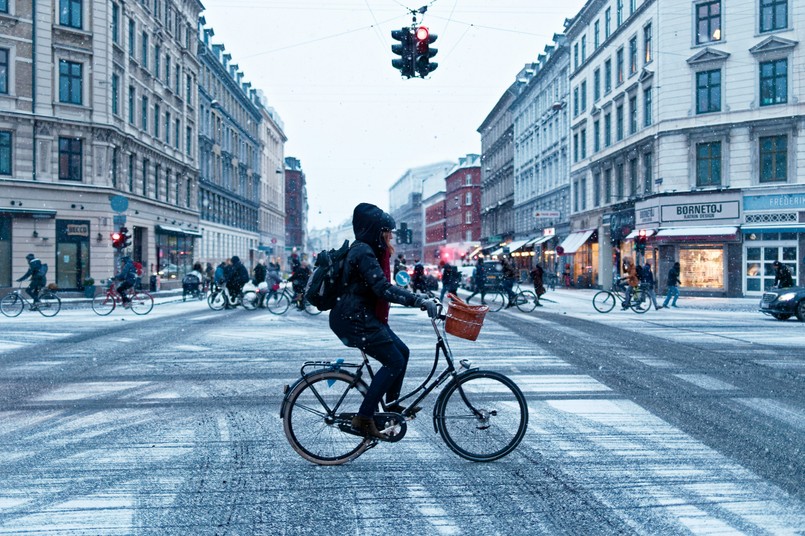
(440, 400)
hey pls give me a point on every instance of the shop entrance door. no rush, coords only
(72, 254)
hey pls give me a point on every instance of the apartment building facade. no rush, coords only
(97, 130)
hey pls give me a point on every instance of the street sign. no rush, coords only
(273, 240)
(119, 219)
(545, 214)
(119, 203)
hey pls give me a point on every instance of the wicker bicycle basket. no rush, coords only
(464, 320)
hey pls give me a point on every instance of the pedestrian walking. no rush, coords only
(508, 277)
(536, 278)
(450, 280)
(566, 276)
(479, 281)
(673, 285)
(649, 284)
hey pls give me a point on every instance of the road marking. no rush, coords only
(706, 382)
(433, 514)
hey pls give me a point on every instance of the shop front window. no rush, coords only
(702, 267)
(759, 258)
(174, 254)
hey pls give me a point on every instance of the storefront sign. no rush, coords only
(550, 231)
(645, 216)
(774, 202)
(545, 214)
(708, 211)
(77, 230)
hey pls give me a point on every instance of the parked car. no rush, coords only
(783, 303)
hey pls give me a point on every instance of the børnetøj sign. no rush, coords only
(704, 212)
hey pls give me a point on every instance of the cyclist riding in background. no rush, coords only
(37, 275)
(127, 277)
(299, 278)
(237, 277)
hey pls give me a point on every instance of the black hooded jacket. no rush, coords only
(353, 319)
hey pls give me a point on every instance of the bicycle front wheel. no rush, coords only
(482, 416)
(495, 301)
(11, 305)
(604, 301)
(526, 301)
(315, 411)
(277, 303)
(49, 304)
(142, 303)
(216, 300)
(249, 300)
(103, 304)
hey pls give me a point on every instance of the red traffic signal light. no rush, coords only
(117, 240)
(422, 34)
(424, 52)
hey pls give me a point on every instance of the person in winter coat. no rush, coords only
(631, 280)
(127, 278)
(648, 283)
(418, 283)
(360, 318)
(237, 277)
(782, 275)
(36, 273)
(219, 277)
(451, 278)
(479, 281)
(536, 277)
(508, 278)
(299, 278)
(673, 285)
(259, 272)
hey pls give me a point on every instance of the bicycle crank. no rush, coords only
(391, 424)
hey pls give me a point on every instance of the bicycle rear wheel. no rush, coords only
(216, 300)
(495, 300)
(482, 416)
(142, 303)
(640, 302)
(49, 304)
(103, 304)
(11, 305)
(277, 303)
(526, 301)
(604, 301)
(315, 408)
(249, 300)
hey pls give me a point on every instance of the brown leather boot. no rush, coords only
(367, 427)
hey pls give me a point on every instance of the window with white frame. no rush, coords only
(468, 198)
(468, 217)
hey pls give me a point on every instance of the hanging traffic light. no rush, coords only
(125, 238)
(424, 52)
(405, 63)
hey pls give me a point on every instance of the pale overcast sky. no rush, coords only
(352, 121)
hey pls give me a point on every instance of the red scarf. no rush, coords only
(382, 307)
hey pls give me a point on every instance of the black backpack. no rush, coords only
(329, 278)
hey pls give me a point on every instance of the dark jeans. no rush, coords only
(478, 290)
(122, 288)
(393, 355)
(33, 291)
(508, 285)
(448, 288)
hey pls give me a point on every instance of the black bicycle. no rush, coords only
(605, 300)
(481, 415)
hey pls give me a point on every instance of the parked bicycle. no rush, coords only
(481, 415)
(279, 301)
(141, 302)
(49, 304)
(219, 296)
(604, 301)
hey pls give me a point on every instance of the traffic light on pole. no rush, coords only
(117, 241)
(640, 241)
(423, 51)
(125, 237)
(405, 63)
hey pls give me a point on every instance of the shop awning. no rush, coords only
(514, 245)
(476, 251)
(539, 240)
(574, 241)
(177, 231)
(778, 228)
(697, 231)
(28, 212)
(497, 252)
(633, 234)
